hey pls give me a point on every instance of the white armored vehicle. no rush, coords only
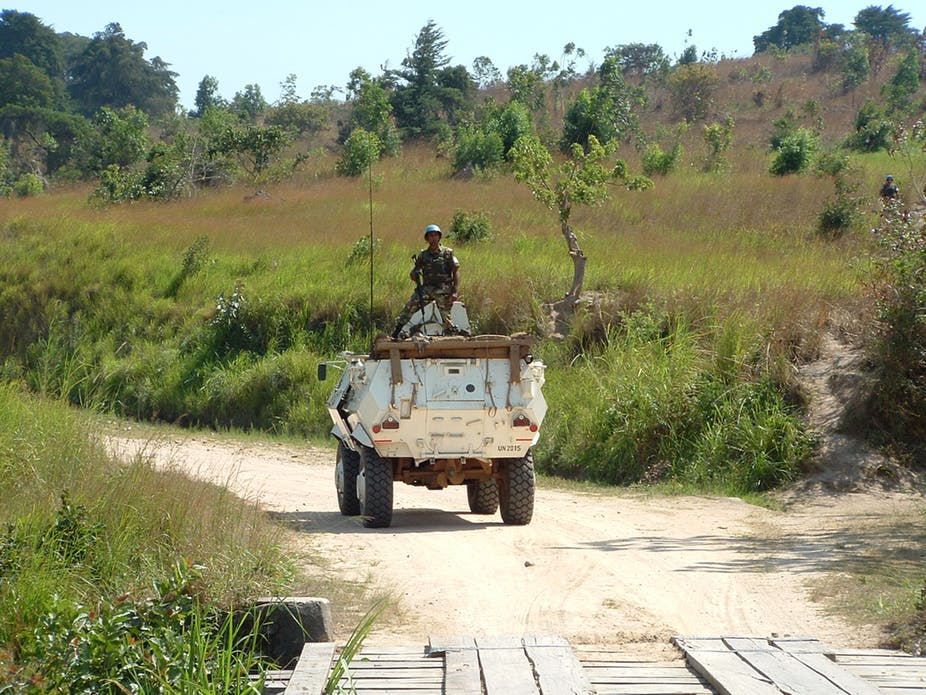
(436, 410)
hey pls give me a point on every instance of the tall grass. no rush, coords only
(82, 552)
(107, 309)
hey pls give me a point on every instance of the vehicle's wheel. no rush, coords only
(482, 496)
(374, 488)
(346, 470)
(516, 491)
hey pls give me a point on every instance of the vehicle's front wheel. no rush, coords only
(374, 487)
(346, 470)
(482, 496)
(516, 491)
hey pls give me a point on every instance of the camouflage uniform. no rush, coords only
(435, 270)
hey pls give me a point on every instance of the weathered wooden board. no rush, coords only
(505, 668)
(311, 671)
(461, 664)
(556, 665)
(724, 669)
(789, 674)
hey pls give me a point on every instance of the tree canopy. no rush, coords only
(799, 25)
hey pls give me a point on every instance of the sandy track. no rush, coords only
(598, 569)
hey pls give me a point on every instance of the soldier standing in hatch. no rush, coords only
(437, 276)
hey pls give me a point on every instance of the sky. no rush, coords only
(264, 41)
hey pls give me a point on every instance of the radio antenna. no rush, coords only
(370, 180)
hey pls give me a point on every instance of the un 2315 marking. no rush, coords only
(509, 447)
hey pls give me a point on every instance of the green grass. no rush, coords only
(82, 552)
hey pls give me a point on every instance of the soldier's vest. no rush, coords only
(436, 268)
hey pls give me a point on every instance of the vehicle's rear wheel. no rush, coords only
(482, 496)
(346, 470)
(516, 491)
(374, 487)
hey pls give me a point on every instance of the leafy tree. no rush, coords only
(23, 83)
(581, 179)
(640, 59)
(249, 104)
(207, 96)
(428, 93)
(485, 74)
(689, 56)
(905, 83)
(298, 118)
(480, 149)
(692, 90)
(525, 84)
(41, 139)
(24, 34)
(886, 25)
(795, 153)
(113, 72)
(361, 149)
(797, 26)
(118, 138)
(873, 129)
(605, 112)
(856, 66)
(719, 139)
(371, 110)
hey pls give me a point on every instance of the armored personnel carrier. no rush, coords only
(434, 410)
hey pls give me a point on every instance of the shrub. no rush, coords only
(361, 149)
(470, 226)
(478, 149)
(795, 153)
(28, 185)
(657, 161)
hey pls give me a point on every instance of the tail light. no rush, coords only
(521, 420)
(388, 423)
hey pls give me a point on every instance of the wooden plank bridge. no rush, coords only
(549, 665)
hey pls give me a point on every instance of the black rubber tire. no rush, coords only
(346, 470)
(482, 496)
(516, 491)
(375, 489)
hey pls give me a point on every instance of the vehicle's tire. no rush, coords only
(482, 496)
(346, 470)
(374, 489)
(516, 491)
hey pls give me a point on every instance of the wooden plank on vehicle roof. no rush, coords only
(505, 667)
(311, 671)
(461, 663)
(557, 667)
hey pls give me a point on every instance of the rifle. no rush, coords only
(419, 290)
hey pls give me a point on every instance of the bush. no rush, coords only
(795, 153)
(28, 185)
(470, 226)
(361, 149)
(657, 161)
(477, 149)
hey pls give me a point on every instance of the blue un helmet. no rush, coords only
(432, 228)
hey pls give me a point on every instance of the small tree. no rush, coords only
(692, 89)
(795, 153)
(581, 179)
(361, 149)
(905, 83)
(719, 139)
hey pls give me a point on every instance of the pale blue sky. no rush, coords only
(263, 41)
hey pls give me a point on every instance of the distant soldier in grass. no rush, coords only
(436, 275)
(889, 190)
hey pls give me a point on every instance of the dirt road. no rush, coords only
(599, 569)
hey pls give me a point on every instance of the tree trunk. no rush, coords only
(578, 264)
